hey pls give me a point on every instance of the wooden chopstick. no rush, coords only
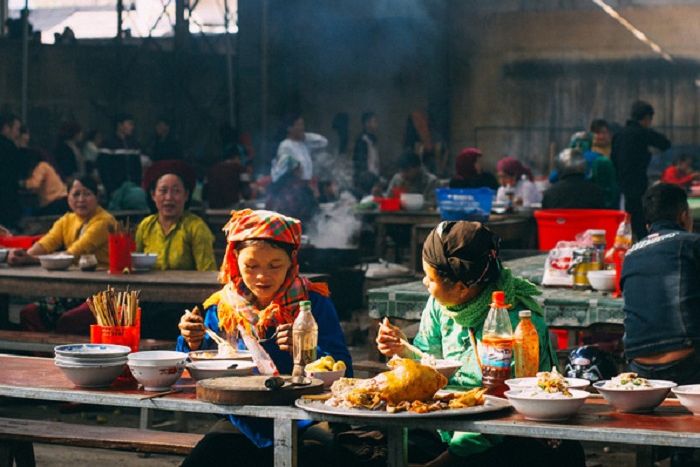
(472, 339)
(414, 349)
(160, 394)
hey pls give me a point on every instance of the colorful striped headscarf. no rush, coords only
(236, 303)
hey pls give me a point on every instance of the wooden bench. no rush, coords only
(17, 436)
(26, 341)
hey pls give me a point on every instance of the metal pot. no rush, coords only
(312, 259)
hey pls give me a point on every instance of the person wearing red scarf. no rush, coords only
(261, 294)
(468, 171)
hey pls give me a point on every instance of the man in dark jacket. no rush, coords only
(660, 280)
(573, 191)
(631, 156)
(10, 210)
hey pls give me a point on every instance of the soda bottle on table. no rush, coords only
(304, 340)
(526, 346)
(497, 346)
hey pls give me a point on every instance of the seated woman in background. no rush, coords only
(43, 180)
(82, 231)
(468, 171)
(260, 273)
(462, 270)
(517, 186)
(181, 240)
(681, 172)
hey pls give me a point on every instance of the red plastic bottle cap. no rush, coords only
(498, 299)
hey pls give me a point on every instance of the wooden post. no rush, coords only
(397, 446)
(285, 442)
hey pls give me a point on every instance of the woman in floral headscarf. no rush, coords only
(262, 292)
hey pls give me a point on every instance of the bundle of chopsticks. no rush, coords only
(112, 308)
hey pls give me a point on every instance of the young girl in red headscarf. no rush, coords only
(468, 171)
(262, 292)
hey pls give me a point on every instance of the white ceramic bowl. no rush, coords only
(56, 262)
(689, 396)
(208, 355)
(602, 280)
(91, 351)
(90, 361)
(521, 383)
(546, 409)
(412, 201)
(216, 368)
(92, 376)
(156, 358)
(636, 400)
(328, 377)
(3, 254)
(143, 261)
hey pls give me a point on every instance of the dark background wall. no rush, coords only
(514, 77)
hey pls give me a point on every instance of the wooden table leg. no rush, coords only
(397, 446)
(4, 311)
(285, 442)
(380, 239)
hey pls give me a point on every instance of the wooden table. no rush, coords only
(155, 286)
(563, 307)
(669, 425)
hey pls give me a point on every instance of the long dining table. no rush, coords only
(155, 286)
(669, 425)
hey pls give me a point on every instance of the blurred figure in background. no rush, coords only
(365, 156)
(228, 181)
(631, 156)
(517, 185)
(290, 194)
(91, 149)
(70, 162)
(681, 172)
(599, 168)
(413, 178)
(573, 191)
(43, 180)
(296, 145)
(120, 157)
(165, 145)
(10, 210)
(468, 171)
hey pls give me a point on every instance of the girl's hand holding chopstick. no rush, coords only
(391, 340)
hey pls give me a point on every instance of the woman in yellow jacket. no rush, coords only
(82, 231)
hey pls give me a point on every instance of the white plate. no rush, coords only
(493, 404)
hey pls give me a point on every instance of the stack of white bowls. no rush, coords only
(91, 365)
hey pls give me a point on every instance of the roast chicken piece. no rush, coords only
(408, 380)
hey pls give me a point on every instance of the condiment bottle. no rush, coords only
(304, 340)
(598, 241)
(497, 346)
(526, 346)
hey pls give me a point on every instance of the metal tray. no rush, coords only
(493, 404)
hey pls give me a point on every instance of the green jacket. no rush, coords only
(441, 336)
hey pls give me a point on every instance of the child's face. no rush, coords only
(263, 269)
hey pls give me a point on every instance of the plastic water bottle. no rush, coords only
(497, 346)
(526, 346)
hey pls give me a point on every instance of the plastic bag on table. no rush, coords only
(557, 264)
(260, 357)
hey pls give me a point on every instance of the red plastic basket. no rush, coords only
(388, 204)
(19, 241)
(554, 225)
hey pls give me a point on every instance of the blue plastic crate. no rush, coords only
(464, 204)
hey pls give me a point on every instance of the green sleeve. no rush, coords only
(203, 246)
(429, 337)
(464, 444)
(139, 236)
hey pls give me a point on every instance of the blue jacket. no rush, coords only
(661, 287)
(330, 342)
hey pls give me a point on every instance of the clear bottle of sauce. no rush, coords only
(304, 340)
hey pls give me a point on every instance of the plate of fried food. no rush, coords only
(409, 389)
